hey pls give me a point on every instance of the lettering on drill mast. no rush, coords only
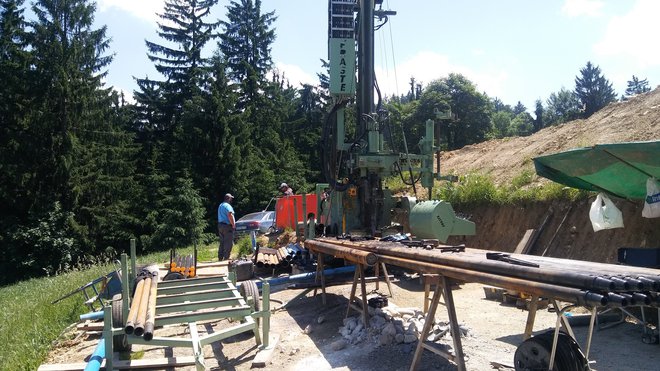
(342, 66)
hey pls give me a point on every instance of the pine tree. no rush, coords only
(637, 86)
(86, 157)
(593, 90)
(15, 103)
(185, 69)
(246, 44)
(539, 120)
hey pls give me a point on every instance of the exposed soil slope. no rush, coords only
(568, 232)
(637, 119)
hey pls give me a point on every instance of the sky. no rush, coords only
(515, 50)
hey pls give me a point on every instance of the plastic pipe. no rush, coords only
(94, 363)
(92, 316)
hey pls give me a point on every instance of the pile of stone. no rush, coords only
(394, 325)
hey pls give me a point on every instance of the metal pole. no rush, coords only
(265, 301)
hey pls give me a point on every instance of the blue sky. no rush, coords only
(516, 50)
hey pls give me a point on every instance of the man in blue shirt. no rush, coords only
(226, 226)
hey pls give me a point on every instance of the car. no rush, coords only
(261, 222)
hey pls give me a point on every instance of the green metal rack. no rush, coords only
(189, 301)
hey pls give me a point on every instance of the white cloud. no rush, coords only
(145, 9)
(428, 66)
(576, 8)
(633, 35)
(295, 74)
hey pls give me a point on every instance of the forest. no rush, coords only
(85, 168)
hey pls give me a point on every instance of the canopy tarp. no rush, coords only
(619, 169)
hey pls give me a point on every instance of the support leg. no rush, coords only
(531, 317)
(427, 327)
(453, 320)
(197, 347)
(356, 275)
(387, 279)
(363, 286)
(320, 269)
(377, 275)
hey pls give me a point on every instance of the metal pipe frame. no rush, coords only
(542, 281)
(189, 301)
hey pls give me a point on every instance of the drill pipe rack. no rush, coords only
(185, 301)
(580, 283)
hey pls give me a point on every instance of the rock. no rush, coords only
(320, 319)
(377, 322)
(349, 319)
(464, 330)
(406, 317)
(338, 345)
(407, 348)
(412, 328)
(389, 329)
(358, 327)
(293, 351)
(399, 338)
(352, 322)
(409, 338)
(385, 339)
(308, 330)
(345, 332)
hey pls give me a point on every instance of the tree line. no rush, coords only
(84, 170)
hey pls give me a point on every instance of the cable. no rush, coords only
(396, 78)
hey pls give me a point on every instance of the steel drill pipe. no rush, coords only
(135, 304)
(565, 265)
(616, 299)
(138, 329)
(346, 253)
(581, 297)
(151, 308)
(476, 263)
(641, 298)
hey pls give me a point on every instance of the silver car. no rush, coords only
(261, 222)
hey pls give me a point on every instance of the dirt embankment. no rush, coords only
(568, 232)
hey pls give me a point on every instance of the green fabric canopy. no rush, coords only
(619, 169)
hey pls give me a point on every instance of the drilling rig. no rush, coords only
(355, 168)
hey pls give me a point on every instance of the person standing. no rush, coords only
(226, 226)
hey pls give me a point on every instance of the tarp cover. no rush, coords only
(619, 169)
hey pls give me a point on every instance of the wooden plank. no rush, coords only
(523, 245)
(90, 327)
(136, 363)
(264, 356)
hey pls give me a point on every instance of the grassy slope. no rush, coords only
(30, 324)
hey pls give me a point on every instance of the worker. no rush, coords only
(226, 227)
(286, 190)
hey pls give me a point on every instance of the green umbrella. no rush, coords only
(620, 169)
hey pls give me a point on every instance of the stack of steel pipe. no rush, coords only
(580, 282)
(272, 259)
(142, 314)
(184, 264)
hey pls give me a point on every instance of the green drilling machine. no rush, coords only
(354, 200)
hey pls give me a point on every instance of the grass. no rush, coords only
(30, 325)
(478, 189)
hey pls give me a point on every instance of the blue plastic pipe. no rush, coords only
(97, 357)
(305, 276)
(91, 316)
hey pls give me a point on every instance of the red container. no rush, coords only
(285, 206)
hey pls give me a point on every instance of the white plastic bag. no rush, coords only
(604, 214)
(652, 201)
